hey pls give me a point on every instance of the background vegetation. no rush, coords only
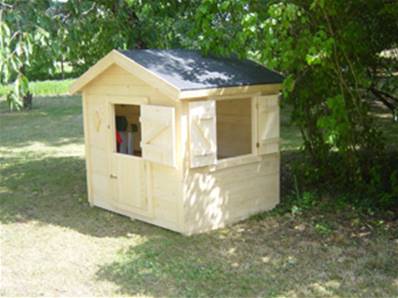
(334, 233)
(339, 59)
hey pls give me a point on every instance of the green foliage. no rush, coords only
(90, 29)
(323, 228)
(330, 51)
(325, 49)
(304, 202)
(53, 39)
(335, 125)
(330, 55)
(21, 41)
(228, 27)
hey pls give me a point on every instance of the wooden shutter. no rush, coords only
(202, 128)
(158, 134)
(267, 124)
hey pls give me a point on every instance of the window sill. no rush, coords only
(235, 161)
(124, 155)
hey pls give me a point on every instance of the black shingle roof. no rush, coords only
(189, 70)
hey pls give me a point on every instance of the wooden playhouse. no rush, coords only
(182, 141)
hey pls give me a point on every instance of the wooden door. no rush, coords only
(129, 178)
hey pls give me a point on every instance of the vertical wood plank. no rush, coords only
(87, 149)
(202, 133)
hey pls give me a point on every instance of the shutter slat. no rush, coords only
(202, 127)
(268, 124)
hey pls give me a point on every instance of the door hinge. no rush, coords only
(113, 176)
(257, 145)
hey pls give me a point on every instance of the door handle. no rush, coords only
(113, 176)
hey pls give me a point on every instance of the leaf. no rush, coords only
(5, 29)
(288, 85)
(24, 85)
(224, 5)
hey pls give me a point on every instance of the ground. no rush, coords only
(54, 244)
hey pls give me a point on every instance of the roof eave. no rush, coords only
(227, 91)
(91, 73)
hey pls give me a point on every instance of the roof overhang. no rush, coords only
(228, 91)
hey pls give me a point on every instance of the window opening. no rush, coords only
(234, 127)
(128, 129)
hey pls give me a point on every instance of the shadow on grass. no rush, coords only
(268, 257)
(53, 121)
(253, 259)
(53, 191)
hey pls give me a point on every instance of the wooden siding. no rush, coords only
(160, 186)
(215, 198)
(234, 188)
(181, 198)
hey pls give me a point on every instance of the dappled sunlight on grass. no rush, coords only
(54, 244)
(262, 261)
(64, 147)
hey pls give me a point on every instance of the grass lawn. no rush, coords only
(42, 88)
(54, 244)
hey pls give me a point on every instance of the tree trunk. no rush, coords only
(27, 101)
(62, 67)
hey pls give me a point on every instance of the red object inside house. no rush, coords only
(118, 138)
(119, 141)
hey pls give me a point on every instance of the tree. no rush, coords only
(39, 36)
(332, 53)
(329, 51)
(21, 38)
(93, 28)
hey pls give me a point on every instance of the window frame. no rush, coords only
(244, 158)
(135, 101)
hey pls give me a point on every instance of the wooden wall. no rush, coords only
(184, 199)
(216, 197)
(235, 188)
(163, 183)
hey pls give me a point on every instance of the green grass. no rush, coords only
(54, 244)
(43, 88)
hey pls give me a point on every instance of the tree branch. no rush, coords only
(395, 99)
(382, 97)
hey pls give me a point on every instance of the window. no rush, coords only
(128, 129)
(234, 127)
